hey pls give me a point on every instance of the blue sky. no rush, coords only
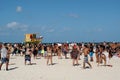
(60, 20)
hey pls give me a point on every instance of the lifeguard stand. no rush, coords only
(33, 38)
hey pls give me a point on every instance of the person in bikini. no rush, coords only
(74, 55)
(49, 55)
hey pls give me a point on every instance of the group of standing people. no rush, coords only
(102, 51)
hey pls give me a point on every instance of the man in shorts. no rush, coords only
(86, 52)
(4, 58)
(28, 56)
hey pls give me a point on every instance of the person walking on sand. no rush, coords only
(59, 51)
(91, 52)
(101, 56)
(35, 52)
(104, 56)
(86, 52)
(4, 57)
(49, 55)
(28, 56)
(65, 50)
(74, 55)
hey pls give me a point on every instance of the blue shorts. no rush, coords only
(91, 54)
(4, 60)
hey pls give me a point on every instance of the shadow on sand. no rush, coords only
(38, 58)
(12, 68)
(31, 64)
(87, 67)
(107, 65)
(52, 64)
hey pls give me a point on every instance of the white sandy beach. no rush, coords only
(62, 70)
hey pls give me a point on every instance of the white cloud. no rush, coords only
(51, 30)
(74, 15)
(17, 26)
(19, 9)
(12, 25)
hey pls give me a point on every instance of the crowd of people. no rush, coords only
(102, 51)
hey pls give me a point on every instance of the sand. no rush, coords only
(61, 70)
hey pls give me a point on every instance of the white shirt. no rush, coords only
(3, 53)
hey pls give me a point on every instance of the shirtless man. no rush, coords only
(86, 52)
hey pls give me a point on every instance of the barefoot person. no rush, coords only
(35, 52)
(105, 56)
(49, 55)
(101, 56)
(91, 53)
(28, 56)
(96, 51)
(59, 52)
(86, 52)
(65, 51)
(74, 55)
(4, 57)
